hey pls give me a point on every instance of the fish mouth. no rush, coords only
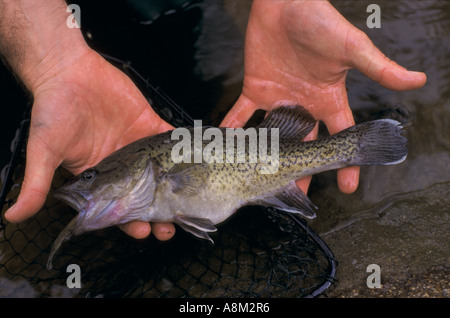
(75, 200)
(92, 214)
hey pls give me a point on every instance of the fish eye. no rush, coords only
(88, 175)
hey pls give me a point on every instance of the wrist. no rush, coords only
(36, 41)
(52, 59)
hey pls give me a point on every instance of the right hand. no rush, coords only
(299, 52)
(83, 110)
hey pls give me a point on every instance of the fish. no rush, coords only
(142, 182)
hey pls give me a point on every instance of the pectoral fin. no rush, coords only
(196, 226)
(188, 178)
(290, 199)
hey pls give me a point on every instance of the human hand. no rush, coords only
(299, 52)
(83, 112)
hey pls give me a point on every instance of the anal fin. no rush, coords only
(290, 199)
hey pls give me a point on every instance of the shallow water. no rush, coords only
(399, 216)
(416, 34)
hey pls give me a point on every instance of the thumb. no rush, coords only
(368, 59)
(39, 171)
(240, 113)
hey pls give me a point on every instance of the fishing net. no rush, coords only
(258, 252)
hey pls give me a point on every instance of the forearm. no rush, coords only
(35, 40)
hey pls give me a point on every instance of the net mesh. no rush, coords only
(258, 252)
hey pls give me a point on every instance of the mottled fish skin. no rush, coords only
(141, 182)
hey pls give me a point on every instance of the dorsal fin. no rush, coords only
(292, 121)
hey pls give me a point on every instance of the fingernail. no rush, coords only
(348, 179)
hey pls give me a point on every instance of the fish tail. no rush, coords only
(380, 142)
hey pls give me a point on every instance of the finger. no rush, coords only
(347, 178)
(39, 171)
(163, 231)
(136, 229)
(339, 120)
(240, 113)
(373, 63)
(304, 183)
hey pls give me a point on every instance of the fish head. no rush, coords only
(117, 190)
